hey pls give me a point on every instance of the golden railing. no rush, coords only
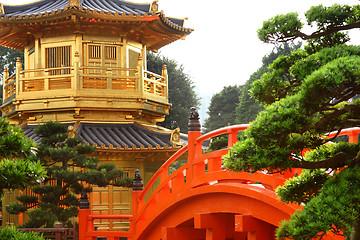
(92, 77)
(85, 78)
(154, 83)
(9, 93)
(34, 80)
(9, 87)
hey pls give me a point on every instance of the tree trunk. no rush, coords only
(356, 234)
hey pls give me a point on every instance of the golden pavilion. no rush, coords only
(85, 66)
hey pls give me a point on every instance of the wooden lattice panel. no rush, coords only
(123, 84)
(95, 83)
(33, 85)
(60, 83)
(9, 90)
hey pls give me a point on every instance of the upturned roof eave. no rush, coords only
(85, 12)
(68, 11)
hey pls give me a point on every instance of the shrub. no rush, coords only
(11, 233)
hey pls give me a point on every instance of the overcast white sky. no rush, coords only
(224, 48)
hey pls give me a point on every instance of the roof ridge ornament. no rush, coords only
(2, 11)
(74, 3)
(154, 8)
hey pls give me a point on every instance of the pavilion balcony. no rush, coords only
(83, 81)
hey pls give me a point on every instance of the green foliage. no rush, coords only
(302, 188)
(16, 171)
(221, 110)
(330, 150)
(327, 20)
(282, 27)
(70, 171)
(11, 233)
(248, 107)
(335, 209)
(307, 94)
(335, 15)
(217, 143)
(182, 95)
(19, 174)
(12, 141)
(176, 165)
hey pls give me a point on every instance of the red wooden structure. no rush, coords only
(201, 200)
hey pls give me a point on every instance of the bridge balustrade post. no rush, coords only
(194, 148)
(84, 213)
(353, 137)
(137, 191)
(232, 138)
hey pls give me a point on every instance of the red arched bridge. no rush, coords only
(201, 200)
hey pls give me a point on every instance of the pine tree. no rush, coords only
(309, 93)
(71, 171)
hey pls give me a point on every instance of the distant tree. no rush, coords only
(17, 171)
(8, 59)
(222, 107)
(70, 172)
(248, 108)
(182, 95)
(308, 94)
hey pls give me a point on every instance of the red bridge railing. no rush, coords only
(201, 169)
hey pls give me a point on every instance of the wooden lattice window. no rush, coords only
(101, 56)
(58, 57)
(94, 51)
(110, 52)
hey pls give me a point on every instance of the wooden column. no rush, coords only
(140, 80)
(37, 52)
(216, 224)
(165, 75)
(255, 228)
(181, 233)
(5, 77)
(75, 80)
(19, 85)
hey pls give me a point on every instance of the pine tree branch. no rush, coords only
(329, 30)
(338, 160)
(336, 114)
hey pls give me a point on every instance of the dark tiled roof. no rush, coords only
(43, 6)
(29, 133)
(120, 136)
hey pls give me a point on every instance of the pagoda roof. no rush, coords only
(118, 136)
(18, 21)
(43, 6)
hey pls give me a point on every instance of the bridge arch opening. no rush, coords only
(220, 211)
